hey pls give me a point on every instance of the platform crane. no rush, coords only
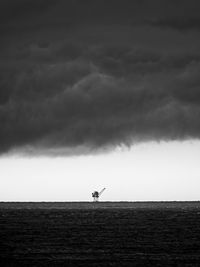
(97, 194)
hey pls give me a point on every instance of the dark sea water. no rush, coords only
(100, 234)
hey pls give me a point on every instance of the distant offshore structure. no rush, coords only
(97, 194)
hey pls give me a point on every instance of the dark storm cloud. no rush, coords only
(97, 74)
(179, 24)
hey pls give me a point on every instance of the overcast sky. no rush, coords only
(84, 81)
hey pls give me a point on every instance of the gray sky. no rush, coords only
(84, 78)
(148, 171)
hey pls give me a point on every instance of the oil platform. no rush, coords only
(97, 194)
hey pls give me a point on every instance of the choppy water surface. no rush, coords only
(81, 234)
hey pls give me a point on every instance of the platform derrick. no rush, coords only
(97, 194)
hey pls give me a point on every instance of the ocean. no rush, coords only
(100, 234)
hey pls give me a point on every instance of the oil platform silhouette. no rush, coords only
(97, 194)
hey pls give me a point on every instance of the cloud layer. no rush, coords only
(98, 74)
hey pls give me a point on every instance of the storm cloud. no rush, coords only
(98, 74)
